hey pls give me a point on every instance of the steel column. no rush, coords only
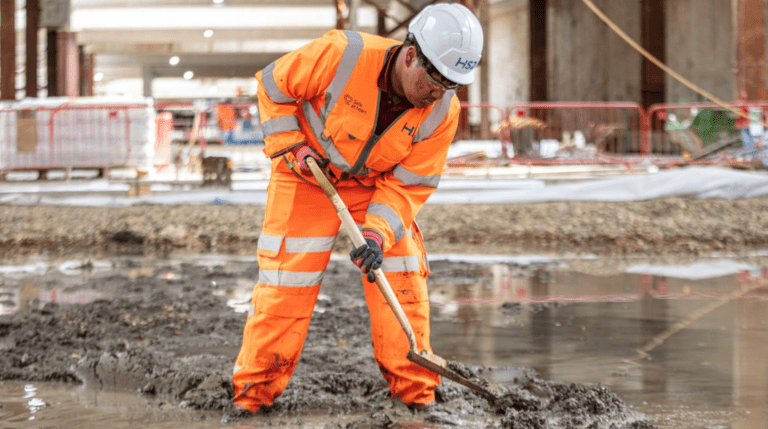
(538, 49)
(33, 21)
(7, 50)
(750, 50)
(52, 61)
(654, 39)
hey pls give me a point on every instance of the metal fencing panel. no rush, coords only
(76, 136)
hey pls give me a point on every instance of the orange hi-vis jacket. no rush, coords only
(325, 94)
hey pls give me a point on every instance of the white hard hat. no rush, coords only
(451, 37)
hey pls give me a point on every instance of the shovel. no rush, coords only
(422, 358)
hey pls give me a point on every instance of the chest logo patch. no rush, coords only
(354, 104)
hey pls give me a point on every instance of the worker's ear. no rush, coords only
(410, 56)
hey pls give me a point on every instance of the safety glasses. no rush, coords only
(442, 83)
(436, 80)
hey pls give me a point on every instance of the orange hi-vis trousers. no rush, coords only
(294, 248)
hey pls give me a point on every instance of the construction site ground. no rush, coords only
(165, 279)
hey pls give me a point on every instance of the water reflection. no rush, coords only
(686, 349)
(682, 349)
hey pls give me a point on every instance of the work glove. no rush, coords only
(368, 256)
(302, 152)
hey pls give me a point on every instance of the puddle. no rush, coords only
(687, 351)
(685, 345)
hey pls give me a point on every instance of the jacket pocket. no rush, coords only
(270, 243)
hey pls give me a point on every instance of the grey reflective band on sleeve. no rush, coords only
(280, 125)
(270, 243)
(389, 215)
(435, 117)
(343, 71)
(290, 278)
(410, 178)
(332, 94)
(399, 264)
(309, 244)
(274, 93)
(318, 126)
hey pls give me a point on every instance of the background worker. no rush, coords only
(226, 117)
(379, 116)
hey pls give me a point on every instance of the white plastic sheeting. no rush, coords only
(694, 182)
(691, 182)
(78, 132)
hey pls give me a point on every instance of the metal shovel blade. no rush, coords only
(439, 366)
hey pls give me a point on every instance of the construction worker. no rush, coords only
(379, 116)
(226, 117)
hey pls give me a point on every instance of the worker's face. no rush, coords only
(423, 85)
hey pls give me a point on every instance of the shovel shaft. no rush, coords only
(424, 359)
(356, 236)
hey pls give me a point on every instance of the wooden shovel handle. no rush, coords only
(357, 240)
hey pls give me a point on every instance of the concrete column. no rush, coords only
(148, 73)
(7, 50)
(483, 14)
(86, 71)
(354, 5)
(33, 20)
(69, 64)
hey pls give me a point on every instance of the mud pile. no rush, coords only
(673, 226)
(174, 339)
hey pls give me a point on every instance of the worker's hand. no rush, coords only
(368, 256)
(302, 152)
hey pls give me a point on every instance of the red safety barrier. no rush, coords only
(706, 133)
(478, 132)
(580, 133)
(74, 136)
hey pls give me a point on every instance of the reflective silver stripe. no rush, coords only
(280, 125)
(410, 178)
(434, 118)
(309, 244)
(290, 278)
(318, 126)
(343, 71)
(251, 310)
(332, 94)
(269, 242)
(390, 217)
(236, 368)
(274, 93)
(396, 264)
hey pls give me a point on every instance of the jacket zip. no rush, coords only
(360, 162)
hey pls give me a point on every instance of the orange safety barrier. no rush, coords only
(74, 136)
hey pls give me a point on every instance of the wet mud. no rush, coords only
(169, 335)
